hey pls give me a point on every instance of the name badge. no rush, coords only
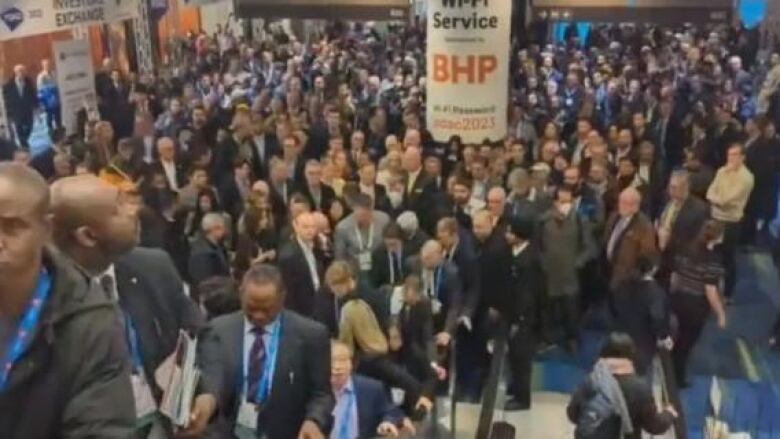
(364, 260)
(145, 406)
(247, 416)
(436, 306)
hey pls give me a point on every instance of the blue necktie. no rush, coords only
(256, 365)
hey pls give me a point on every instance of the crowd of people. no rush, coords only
(285, 201)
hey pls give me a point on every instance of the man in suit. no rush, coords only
(208, 257)
(21, 100)
(417, 186)
(281, 189)
(360, 233)
(368, 186)
(175, 173)
(680, 220)
(267, 367)
(266, 148)
(97, 227)
(629, 235)
(414, 238)
(387, 261)
(669, 135)
(301, 265)
(236, 145)
(320, 195)
(363, 408)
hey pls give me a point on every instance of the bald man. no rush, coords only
(418, 186)
(96, 225)
(66, 370)
(301, 265)
(21, 99)
(629, 236)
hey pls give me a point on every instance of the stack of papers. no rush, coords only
(178, 377)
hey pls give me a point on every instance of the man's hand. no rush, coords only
(670, 408)
(310, 430)
(441, 373)
(424, 403)
(387, 429)
(722, 321)
(202, 410)
(408, 427)
(443, 339)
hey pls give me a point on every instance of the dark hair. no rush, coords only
(393, 231)
(618, 345)
(363, 201)
(263, 274)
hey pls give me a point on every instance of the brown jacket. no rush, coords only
(637, 240)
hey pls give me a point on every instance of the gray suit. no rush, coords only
(300, 388)
(347, 244)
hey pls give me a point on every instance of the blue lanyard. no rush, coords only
(347, 418)
(24, 334)
(132, 343)
(264, 389)
(437, 281)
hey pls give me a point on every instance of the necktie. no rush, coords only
(109, 287)
(256, 365)
(616, 233)
(399, 274)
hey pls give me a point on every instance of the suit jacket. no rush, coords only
(207, 260)
(450, 294)
(380, 266)
(300, 387)
(260, 164)
(297, 278)
(327, 195)
(373, 406)
(417, 198)
(416, 325)
(686, 227)
(527, 287)
(181, 172)
(466, 260)
(381, 201)
(277, 197)
(20, 107)
(638, 239)
(495, 261)
(151, 293)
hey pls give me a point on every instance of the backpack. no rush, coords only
(597, 417)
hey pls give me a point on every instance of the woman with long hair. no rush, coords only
(696, 291)
(257, 240)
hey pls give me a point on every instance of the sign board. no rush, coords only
(198, 3)
(75, 80)
(22, 18)
(652, 11)
(324, 9)
(468, 69)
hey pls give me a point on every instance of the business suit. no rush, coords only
(348, 246)
(381, 201)
(300, 386)
(684, 231)
(373, 406)
(416, 198)
(381, 267)
(418, 351)
(207, 260)
(179, 170)
(327, 195)
(638, 239)
(264, 148)
(279, 196)
(20, 107)
(297, 278)
(151, 293)
(449, 293)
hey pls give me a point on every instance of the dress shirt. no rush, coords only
(345, 411)
(110, 273)
(311, 261)
(260, 147)
(249, 339)
(170, 174)
(519, 248)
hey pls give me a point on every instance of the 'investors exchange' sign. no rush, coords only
(468, 68)
(21, 18)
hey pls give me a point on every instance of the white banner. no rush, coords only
(22, 18)
(468, 67)
(75, 80)
(198, 3)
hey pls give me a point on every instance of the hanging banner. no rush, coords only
(75, 80)
(22, 18)
(467, 82)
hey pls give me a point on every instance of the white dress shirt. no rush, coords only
(170, 174)
(311, 261)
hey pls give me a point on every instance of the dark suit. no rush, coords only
(381, 202)
(225, 154)
(327, 195)
(297, 277)
(449, 294)
(20, 107)
(685, 229)
(300, 388)
(261, 162)
(638, 239)
(116, 108)
(373, 406)
(381, 266)
(279, 197)
(151, 293)
(230, 196)
(207, 260)
(417, 198)
(180, 171)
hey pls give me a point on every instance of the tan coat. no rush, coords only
(638, 240)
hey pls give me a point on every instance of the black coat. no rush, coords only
(380, 267)
(297, 277)
(20, 108)
(418, 198)
(763, 161)
(207, 260)
(527, 288)
(75, 376)
(152, 294)
(300, 389)
(327, 195)
(495, 268)
(450, 294)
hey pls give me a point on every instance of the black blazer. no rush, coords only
(466, 260)
(207, 260)
(416, 325)
(380, 267)
(277, 197)
(417, 199)
(151, 293)
(381, 201)
(527, 288)
(300, 388)
(495, 262)
(20, 107)
(373, 406)
(327, 195)
(181, 172)
(260, 165)
(450, 294)
(686, 227)
(297, 278)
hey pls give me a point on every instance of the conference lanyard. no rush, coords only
(264, 389)
(132, 343)
(347, 418)
(24, 333)
(361, 247)
(436, 281)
